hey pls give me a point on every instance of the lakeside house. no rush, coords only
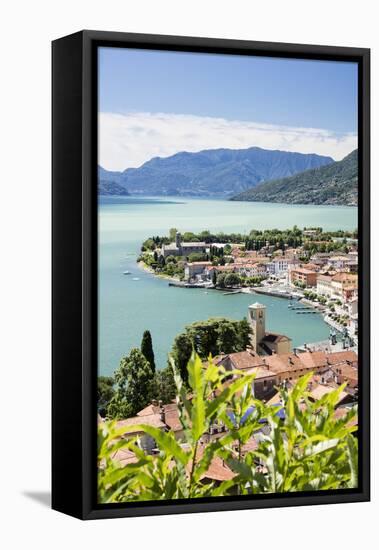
(303, 276)
(198, 270)
(340, 286)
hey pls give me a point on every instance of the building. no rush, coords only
(164, 417)
(262, 341)
(179, 248)
(340, 262)
(311, 232)
(340, 286)
(324, 285)
(320, 258)
(196, 269)
(273, 370)
(280, 265)
(251, 269)
(303, 276)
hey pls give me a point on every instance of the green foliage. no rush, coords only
(309, 450)
(181, 353)
(198, 257)
(210, 337)
(190, 237)
(149, 244)
(147, 349)
(164, 388)
(105, 393)
(172, 234)
(220, 281)
(232, 279)
(336, 183)
(134, 379)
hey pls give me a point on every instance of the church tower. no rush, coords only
(257, 320)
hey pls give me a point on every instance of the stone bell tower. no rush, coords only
(257, 320)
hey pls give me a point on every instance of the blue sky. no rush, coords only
(147, 94)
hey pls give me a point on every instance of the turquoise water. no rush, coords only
(128, 307)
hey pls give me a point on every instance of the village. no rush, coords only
(316, 273)
(321, 274)
(275, 365)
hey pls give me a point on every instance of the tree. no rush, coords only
(147, 349)
(164, 385)
(197, 257)
(214, 277)
(232, 279)
(221, 280)
(134, 379)
(172, 233)
(105, 393)
(213, 336)
(181, 352)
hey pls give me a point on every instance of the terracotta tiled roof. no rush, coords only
(250, 445)
(320, 390)
(346, 373)
(171, 416)
(341, 412)
(155, 409)
(342, 356)
(302, 270)
(245, 360)
(343, 277)
(150, 420)
(172, 420)
(217, 471)
(124, 457)
(261, 372)
(313, 359)
(275, 337)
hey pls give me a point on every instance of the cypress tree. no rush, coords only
(147, 349)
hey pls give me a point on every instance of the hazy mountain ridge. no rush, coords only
(213, 172)
(335, 183)
(107, 187)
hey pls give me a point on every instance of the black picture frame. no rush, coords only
(74, 271)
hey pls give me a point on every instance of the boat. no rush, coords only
(136, 278)
(126, 272)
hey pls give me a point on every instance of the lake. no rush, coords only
(127, 307)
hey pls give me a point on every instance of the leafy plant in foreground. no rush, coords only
(309, 450)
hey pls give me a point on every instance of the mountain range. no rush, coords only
(336, 183)
(220, 173)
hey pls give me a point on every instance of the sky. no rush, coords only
(156, 103)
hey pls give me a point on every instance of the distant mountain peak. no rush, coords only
(212, 172)
(335, 183)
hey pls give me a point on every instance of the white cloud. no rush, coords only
(129, 140)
